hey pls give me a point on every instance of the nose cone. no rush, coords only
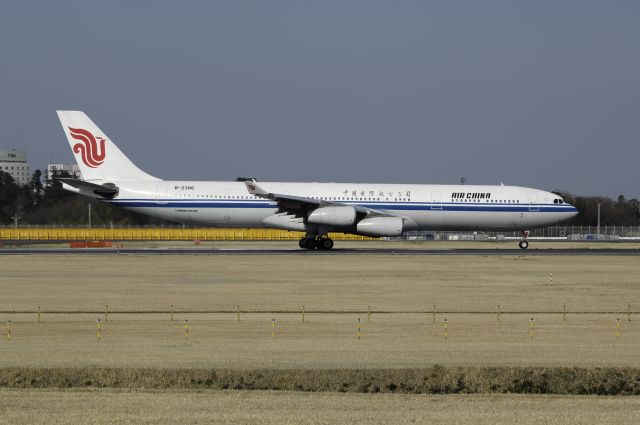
(573, 211)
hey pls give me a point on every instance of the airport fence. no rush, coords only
(613, 232)
(178, 232)
(155, 234)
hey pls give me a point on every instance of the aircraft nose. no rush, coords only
(573, 211)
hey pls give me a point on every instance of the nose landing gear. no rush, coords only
(524, 244)
(320, 242)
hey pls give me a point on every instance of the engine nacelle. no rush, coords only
(380, 226)
(333, 216)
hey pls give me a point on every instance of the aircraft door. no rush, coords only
(533, 202)
(162, 193)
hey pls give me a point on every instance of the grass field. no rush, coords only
(324, 341)
(336, 291)
(457, 285)
(264, 407)
(386, 282)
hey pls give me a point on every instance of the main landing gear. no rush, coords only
(524, 244)
(320, 242)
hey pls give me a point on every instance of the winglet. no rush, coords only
(254, 189)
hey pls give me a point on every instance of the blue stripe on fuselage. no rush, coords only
(396, 206)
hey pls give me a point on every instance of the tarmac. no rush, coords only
(335, 251)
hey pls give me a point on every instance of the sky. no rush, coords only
(543, 94)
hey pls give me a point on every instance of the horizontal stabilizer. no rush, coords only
(108, 190)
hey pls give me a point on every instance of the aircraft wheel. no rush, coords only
(325, 243)
(301, 243)
(523, 244)
(310, 243)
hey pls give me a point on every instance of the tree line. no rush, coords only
(618, 212)
(44, 202)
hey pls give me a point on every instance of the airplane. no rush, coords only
(369, 209)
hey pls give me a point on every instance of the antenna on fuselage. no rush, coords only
(463, 180)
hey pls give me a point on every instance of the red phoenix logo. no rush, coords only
(92, 154)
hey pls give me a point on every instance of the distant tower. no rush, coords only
(463, 180)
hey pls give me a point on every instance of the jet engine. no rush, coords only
(333, 216)
(380, 226)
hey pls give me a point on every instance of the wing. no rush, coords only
(300, 206)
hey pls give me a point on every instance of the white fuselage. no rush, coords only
(372, 209)
(423, 207)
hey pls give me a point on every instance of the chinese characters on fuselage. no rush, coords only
(372, 194)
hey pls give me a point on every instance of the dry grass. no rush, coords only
(334, 283)
(263, 407)
(397, 283)
(325, 341)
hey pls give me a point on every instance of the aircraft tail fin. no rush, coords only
(97, 156)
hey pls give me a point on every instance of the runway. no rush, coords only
(339, 251)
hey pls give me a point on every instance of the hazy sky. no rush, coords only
(536, 93)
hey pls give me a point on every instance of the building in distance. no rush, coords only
(14, 162)
(72, 169)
